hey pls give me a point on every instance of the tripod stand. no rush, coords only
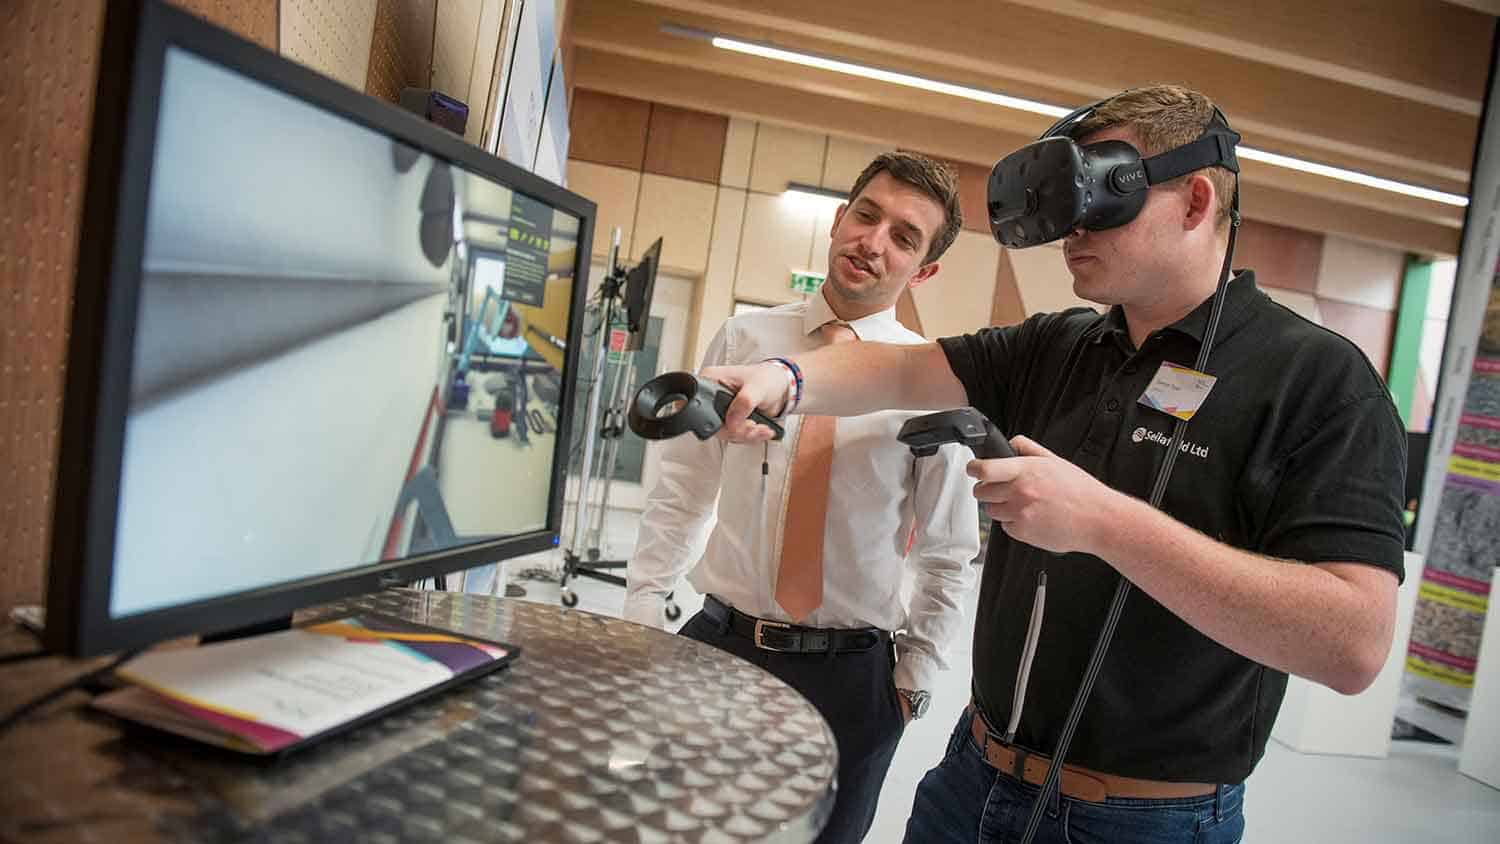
(582, 556)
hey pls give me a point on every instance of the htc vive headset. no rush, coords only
(1050, 188)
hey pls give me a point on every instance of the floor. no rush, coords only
(1416, 794)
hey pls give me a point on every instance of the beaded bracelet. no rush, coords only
(796, 373)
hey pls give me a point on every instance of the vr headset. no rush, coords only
(1048, 189)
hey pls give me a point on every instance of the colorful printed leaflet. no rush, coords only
(265, 693)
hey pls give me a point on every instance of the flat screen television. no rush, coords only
(264, 408)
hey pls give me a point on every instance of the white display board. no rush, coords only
(533, 46)
(552, 146)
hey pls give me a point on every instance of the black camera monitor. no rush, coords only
(640, 284)
(265, 407)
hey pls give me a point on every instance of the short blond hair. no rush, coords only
(1163, 117)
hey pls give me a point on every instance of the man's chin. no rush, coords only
(1091, 290)
(852, 292)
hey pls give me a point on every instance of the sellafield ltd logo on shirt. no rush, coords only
(1143, 434)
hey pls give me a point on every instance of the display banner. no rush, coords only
(1460, 536)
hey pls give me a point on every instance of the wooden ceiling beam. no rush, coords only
(1425, 51)
(1264, 199)
(622, 28)
(1018, 50)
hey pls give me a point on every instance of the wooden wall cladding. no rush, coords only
(1281, 257)
(1007, 307)
(973, 182)
(257, 20)
(48, 60)
(387, 73)
(332, 37)
(906, 312)
(606, 129)
(685, 144)
(401, 47)
(1371, 329)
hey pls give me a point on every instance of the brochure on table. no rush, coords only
(272, 693)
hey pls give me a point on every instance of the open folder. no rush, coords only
(276, 692)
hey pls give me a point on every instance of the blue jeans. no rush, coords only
(964, 800)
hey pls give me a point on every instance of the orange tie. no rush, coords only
(799, 576)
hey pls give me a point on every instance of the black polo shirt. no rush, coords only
(1298, 453)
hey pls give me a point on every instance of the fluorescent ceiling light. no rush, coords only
(814, 190)
(993, 98)
(1351, 176)
(890, 76)
(814, 196)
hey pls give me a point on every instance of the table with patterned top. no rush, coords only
(601, 731)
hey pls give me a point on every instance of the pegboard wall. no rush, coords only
(332, 37)
(48, 60)
(401, 49)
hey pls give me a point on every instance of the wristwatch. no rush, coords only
(916, 700)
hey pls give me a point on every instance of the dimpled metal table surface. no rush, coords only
(601, 731)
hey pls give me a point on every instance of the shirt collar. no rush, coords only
(819, 313)
(1240, 293)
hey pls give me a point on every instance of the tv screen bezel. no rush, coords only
(137, 35)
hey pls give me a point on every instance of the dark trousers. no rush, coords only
(856, 695)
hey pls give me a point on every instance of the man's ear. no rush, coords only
(837, 216)
(1203, 202)
(923, 273)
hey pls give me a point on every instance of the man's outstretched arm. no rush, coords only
(849, 379)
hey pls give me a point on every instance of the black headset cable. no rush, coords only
(83, 680)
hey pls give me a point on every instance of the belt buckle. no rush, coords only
(759, 637)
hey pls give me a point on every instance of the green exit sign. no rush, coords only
(807, 282)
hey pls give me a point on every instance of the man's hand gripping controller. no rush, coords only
(965, 426)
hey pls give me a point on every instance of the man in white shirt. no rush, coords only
(803, 570)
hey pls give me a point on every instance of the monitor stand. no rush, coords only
(275, 624)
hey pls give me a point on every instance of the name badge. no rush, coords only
(1177, 390)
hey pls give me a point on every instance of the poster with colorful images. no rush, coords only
(1465, 545)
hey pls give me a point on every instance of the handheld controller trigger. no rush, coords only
(722, 400)
(680, 402)
(965, 426)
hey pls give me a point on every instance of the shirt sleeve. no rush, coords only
(942, 554)
(677, 509)
(983, 362)
(1336, 496)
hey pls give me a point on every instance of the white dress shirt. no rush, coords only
(876, 491)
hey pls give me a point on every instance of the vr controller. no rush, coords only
(680, 402)
(965, 426)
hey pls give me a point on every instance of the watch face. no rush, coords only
(919, 702)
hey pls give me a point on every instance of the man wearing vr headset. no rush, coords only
(803, 571)
(1277, 547)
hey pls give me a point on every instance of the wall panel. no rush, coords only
(1281, 257)
(48, 61)
(333, 37)
(784, 155)
(605, 129)
(685, 144)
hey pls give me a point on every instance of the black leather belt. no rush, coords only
(781, 637)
